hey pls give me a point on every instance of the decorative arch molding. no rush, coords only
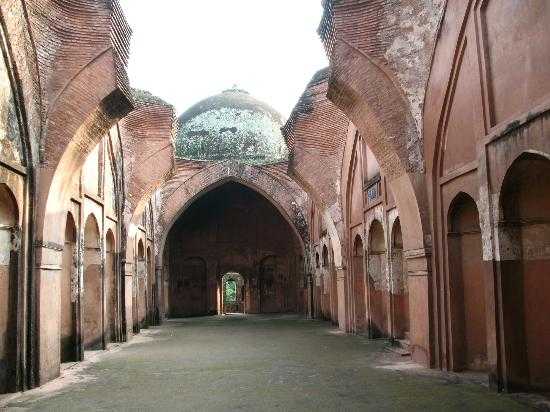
(316, 135)
(507, 167)
(279, 193)
(110, 236)
(146, 135)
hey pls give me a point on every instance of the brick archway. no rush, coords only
(179, 194)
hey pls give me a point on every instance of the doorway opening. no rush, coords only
(69, 294)
(467, 286)
(233, 293)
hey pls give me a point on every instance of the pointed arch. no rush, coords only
(524, 242)
(466, 286)
(176, 201)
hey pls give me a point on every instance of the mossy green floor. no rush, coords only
(257, 363)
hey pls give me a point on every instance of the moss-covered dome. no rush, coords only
(231, 126)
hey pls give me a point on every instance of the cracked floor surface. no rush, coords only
(255, 363)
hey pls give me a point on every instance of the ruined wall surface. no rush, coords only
(398, 36)
(19, 45)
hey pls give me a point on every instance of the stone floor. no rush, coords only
(255, 363)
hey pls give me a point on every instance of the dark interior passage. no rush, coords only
(92, 307)
(399, 289)
(359, 287)
(68, 295)
(233, 229)
(8, 272)
(378, 289)
(467, 286)
(525, 207)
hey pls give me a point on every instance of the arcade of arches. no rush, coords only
(407, 197)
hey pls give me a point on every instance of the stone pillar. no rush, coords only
(341, 290)
(48, 271)
(128, 280)
(159, 310)
(418, 280)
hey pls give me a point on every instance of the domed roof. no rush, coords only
(231, 126)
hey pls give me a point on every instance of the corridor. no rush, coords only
(259, 363)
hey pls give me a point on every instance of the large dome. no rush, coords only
(231, 126)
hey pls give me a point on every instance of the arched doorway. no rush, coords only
(9, 224)
(110, 288)
(92, 307)
(316, 285)
(233, 227)
(325, 284)
(359, 290)
(466, 286)
(152, 312)
(399, 288)
(333, 294)
(188, 288)
(141, 288)
(525, 267)
(69, 293)
(378, 285)
(233, 293)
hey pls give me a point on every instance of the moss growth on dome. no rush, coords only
(231, 126)
(144, 98)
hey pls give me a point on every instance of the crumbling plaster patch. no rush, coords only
(410, 52)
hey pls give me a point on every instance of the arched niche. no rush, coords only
(399, 288)
(188, 284)
(524, 243)
(111, 289)
(333, 280)
(9, 223)
(152, 292)
(358, 284)
(326, 284)
(140, 288)
(269, 285)
(466, 286)
(92, 293)
(69, 291)
(325, 256)
(378, 285)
